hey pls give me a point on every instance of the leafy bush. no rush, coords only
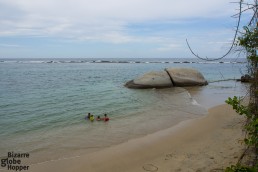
(239, 168)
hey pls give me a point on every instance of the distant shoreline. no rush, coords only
(122, 60)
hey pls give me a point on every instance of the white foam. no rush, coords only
(193, 101)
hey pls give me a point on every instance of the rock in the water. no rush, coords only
(157, 79)
(246, 78)
(186, 77)
(170, 77)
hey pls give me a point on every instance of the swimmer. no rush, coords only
(98, 118)
(91, 118)
(88, 117)
(106, 117)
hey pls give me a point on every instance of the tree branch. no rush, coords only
(232, 45)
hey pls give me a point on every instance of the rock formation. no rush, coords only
(186, 77)
(170, 77)
(154, 79)
(246, 78)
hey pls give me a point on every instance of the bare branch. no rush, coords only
(254, 15)
(243, 7)
(246, 9)
(232, 45)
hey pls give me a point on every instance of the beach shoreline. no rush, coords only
(202, 144)
(194, 144)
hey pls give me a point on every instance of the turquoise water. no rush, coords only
(43, 102)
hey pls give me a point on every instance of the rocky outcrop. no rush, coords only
(168, 78)
(155, 79)
(246, 78)
(186, 77)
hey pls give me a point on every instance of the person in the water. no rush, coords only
(106, 118)
(91, 118)
(88, 117)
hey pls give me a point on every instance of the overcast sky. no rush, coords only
(115, 28)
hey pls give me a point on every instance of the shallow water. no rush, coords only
(43, 103)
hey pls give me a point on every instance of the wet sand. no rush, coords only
(207, 143)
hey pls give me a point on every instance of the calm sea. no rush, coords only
(43, 102)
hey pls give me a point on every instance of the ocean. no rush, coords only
(43, 102)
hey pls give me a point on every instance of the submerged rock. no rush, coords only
(246, 78)
(168, 78)
(186, 77)
(155, 79)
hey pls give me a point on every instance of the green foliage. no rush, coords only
(239, 168)
(252, 124)
(249, 38)
(249, 41)
(237, 106)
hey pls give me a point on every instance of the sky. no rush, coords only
(115, 28)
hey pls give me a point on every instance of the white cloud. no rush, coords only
(169, 47)
(10, 45)
(220, 42)
(98, 20)
(117, 9)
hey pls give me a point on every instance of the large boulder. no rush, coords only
(186, 77)
(180, 77)
(155, 79)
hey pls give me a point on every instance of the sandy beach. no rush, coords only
(208, 143)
